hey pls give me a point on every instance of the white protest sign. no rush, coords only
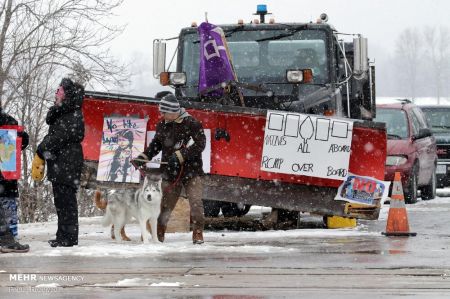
(206, 154)
(308, 145)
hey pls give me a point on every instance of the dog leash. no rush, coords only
(142, 172)
(141, 169)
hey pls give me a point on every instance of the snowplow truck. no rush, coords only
(289, 72)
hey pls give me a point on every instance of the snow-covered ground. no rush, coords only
(95, 240)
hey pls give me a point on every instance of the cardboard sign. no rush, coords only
(10, 150)
(206, 154)
(363, 190)
(308, 145)
(123, 139)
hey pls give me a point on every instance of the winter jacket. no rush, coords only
(185, 135)
(61, 148)
(8, 188)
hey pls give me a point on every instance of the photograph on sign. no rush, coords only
(206, 154)
(123, 139)
(8, 138)
(363, 190)
(308, 145)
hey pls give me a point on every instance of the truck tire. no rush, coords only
(211, 208)
(411, 187)
(231, 209)
(429, 191)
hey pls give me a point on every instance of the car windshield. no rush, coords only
(438, 118)
(396, 122)
(264, 56)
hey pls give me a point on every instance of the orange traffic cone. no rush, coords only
(397, 223)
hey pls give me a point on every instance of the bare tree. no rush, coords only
(437, 40)
(41, 41)
(408, 55)
(64, 33)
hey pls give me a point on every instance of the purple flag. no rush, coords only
(215, 60)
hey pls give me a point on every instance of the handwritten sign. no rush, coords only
(206, 154)
(123, 139)
(363, 190)
(308, 145)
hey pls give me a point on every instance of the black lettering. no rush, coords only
(306, 167)
(303, 148)
(271, 163)
(275, 140)
(342, 172)
(334, 148)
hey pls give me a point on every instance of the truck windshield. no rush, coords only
(396, 123)
(264, 56)
(438, 118)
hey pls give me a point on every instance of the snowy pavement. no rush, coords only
(317, 262)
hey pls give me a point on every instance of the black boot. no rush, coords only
(67, 236)
(62, 243)
(9, 244)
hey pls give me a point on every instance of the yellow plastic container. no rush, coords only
(340, 222)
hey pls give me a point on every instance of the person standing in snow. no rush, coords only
(61, 150)
(182, 140)
(9, 194)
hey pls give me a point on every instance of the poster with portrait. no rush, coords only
(123, 139)
(10, 150)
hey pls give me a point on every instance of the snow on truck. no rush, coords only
(286, 132)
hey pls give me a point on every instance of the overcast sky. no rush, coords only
(380, 21)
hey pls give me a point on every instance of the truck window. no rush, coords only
(438, 118)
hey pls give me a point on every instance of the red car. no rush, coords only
(411, 149)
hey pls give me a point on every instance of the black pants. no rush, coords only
(5, 233)
(65, 198)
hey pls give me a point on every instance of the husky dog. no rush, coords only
(143, 204)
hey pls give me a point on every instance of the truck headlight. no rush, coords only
(299, 76)
(177, 78)
(294, 76)
(396, 160)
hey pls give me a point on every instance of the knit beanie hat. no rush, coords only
(169, 104)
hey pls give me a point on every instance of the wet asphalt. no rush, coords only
(360, 264)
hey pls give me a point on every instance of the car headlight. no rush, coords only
(396, 160)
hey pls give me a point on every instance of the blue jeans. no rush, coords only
(9, 205)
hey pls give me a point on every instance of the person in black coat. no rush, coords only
(61, 150)
(8, 194)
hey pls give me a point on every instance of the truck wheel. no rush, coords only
(411, 187)
(429, 191)
(231, 209)
(211, 208)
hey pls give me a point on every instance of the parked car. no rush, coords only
(439, 120)
(411, 149)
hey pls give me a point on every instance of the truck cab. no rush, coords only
(268, 60)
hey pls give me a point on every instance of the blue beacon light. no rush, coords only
(261, 8)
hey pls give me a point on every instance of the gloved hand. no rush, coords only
(140, 160)
(37, 168)
(173, 167)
